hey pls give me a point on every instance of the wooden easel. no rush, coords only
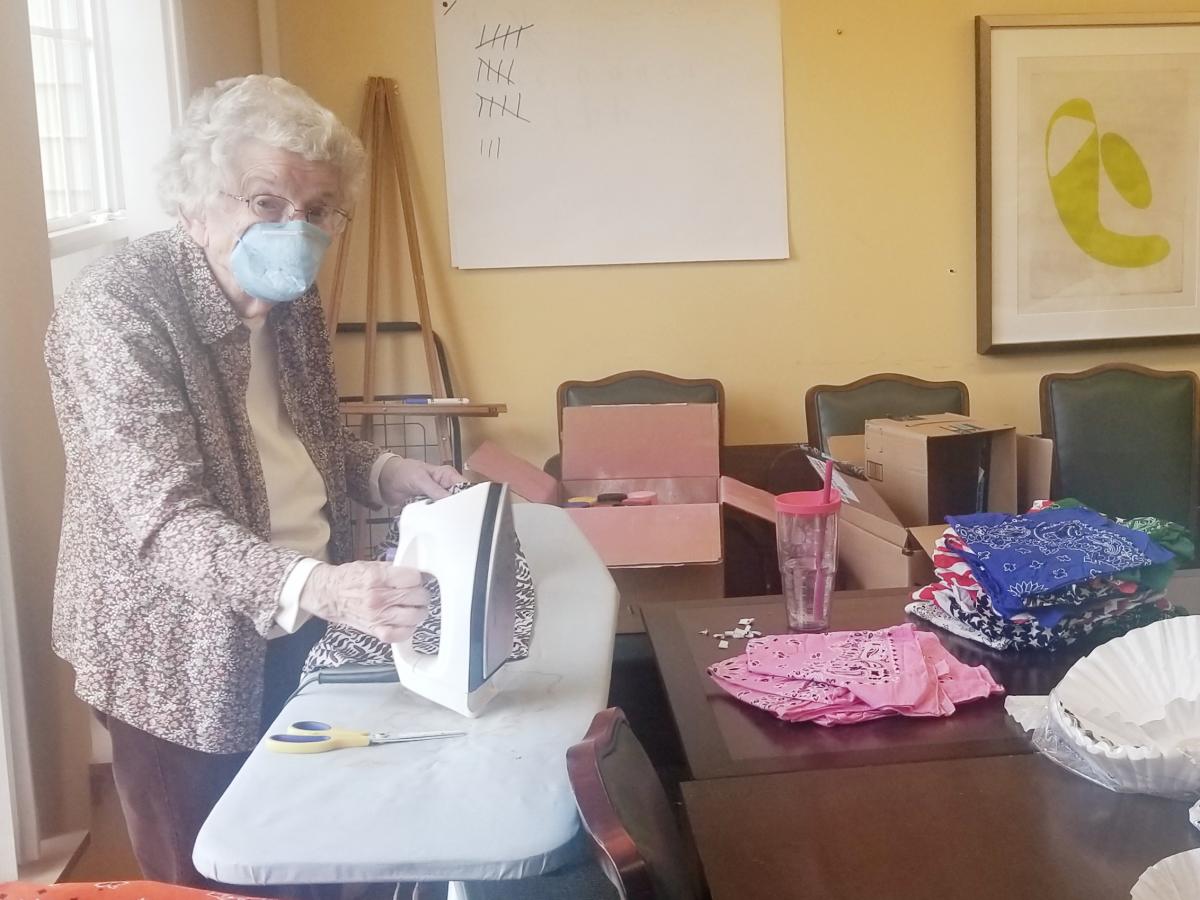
(381, 130)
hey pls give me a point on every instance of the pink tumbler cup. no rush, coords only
(806, 536)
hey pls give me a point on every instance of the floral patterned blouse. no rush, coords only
(167, 584)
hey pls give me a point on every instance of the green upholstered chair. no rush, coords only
(627, 815)
(1125, 439)
(835, 409)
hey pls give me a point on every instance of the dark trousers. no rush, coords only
(167, 790)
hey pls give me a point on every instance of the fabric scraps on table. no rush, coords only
(847, 677)
(343, 645)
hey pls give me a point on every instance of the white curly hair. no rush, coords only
(270, 110)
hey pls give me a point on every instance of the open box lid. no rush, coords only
(848, 448)
(652, 440)
(863, 508)
(748, 499)
(925, 537)
(495, 463)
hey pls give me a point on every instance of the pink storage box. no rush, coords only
(672, 449)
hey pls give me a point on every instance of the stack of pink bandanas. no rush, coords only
(845, 677)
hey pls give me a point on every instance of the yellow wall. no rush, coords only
(220, 39)
(30, 454)
(881, 154)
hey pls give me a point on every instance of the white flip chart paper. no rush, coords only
(580, 132)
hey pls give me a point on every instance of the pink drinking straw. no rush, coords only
(819, 574)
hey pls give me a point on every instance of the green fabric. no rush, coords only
(1168, 535)
(1171, 535)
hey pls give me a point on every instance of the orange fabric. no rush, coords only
(108, 890)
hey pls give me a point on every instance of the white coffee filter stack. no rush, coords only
(1131, 708)
(1175, 878)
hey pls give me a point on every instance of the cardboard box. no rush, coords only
(930, 467)
(671, 550)
(920, 469)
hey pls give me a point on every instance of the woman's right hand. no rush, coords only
(383, 600)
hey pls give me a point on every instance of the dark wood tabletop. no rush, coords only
(988, 827)
(724, 737)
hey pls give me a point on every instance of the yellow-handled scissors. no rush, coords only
(319, 737)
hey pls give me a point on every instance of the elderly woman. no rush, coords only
(208, 475)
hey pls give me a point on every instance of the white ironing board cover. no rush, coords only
(494, 804)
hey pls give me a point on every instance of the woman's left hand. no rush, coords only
(403, 478)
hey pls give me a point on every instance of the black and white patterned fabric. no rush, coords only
(343, 645)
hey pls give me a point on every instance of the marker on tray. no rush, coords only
(437, 401)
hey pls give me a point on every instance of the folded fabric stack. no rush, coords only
(845, 677)
(1049, 577)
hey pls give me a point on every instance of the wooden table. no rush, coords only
(724, 737)
(989, 827)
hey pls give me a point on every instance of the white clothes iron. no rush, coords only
(467, 542)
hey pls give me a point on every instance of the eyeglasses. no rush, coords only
(271, 208)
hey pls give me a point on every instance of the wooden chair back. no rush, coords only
(627, 814)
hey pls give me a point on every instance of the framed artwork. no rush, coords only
(1088, 176)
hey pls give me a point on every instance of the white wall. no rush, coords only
(19, 837)
(221, 37)
(30, 453)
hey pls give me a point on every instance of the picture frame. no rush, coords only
(1088, 180)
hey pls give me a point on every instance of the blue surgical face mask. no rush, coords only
(278, 261)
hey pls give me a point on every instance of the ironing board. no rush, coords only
(495, 804)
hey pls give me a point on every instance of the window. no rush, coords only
(108, 79)
(76, 122)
